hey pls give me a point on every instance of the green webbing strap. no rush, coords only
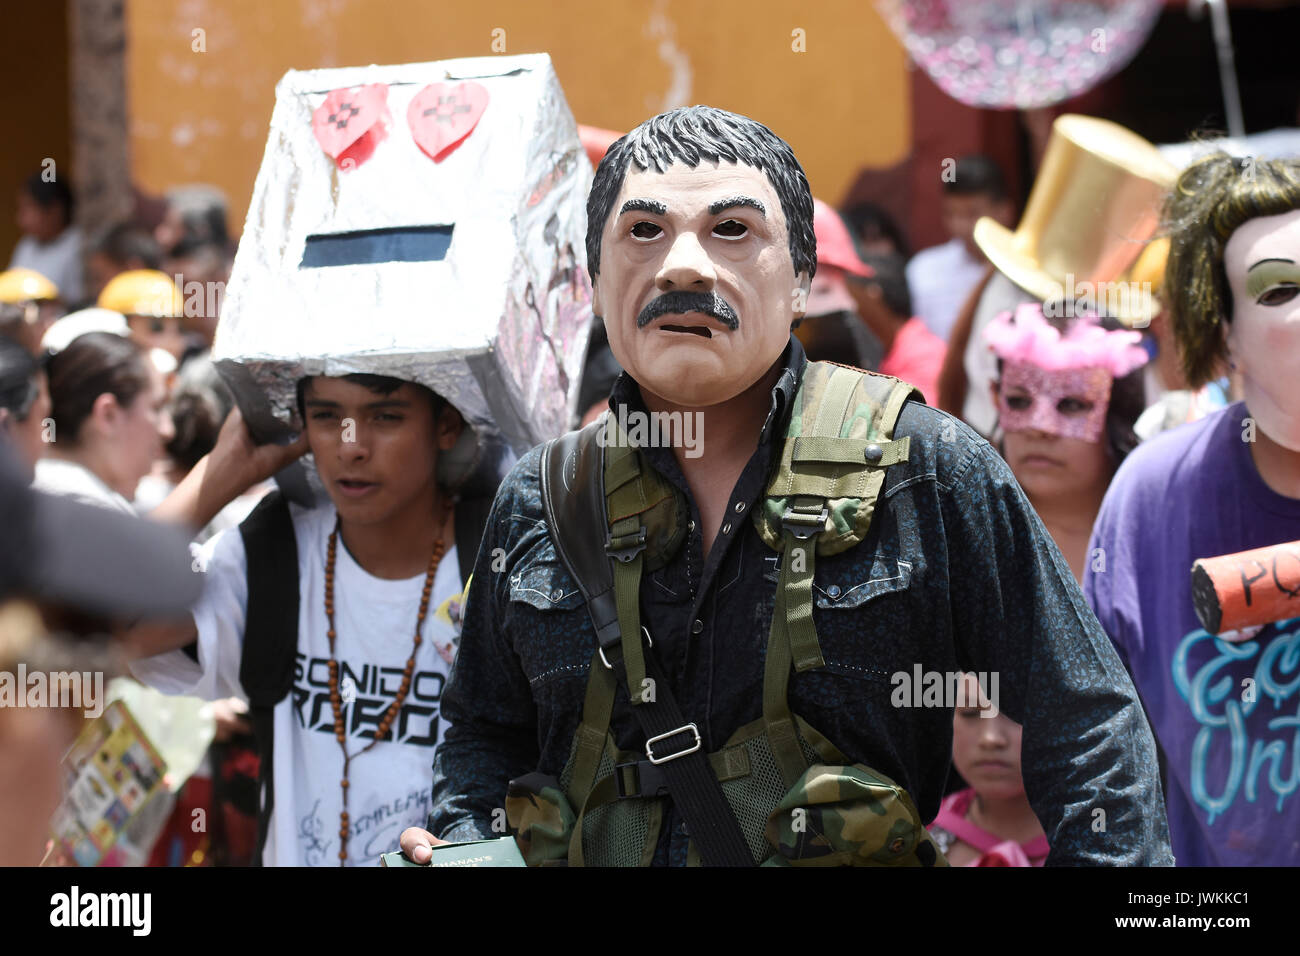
(848, 451)
(794, 586)
(777, 719)
(591, 732)
(894, 405)
(834, 402)
(625, 502)
(604, 792)
(627, 587)
(622, 464)
(792, 640)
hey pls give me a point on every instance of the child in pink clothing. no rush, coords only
(991, 822)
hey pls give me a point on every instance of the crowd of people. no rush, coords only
(1071, 451)
(111, 400)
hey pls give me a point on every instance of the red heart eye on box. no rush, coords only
(352, 122)
(442, 114)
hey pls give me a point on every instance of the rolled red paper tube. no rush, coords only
(1247, 589)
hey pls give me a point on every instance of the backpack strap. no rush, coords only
(614, 490)
(573, 504)
(270, 635)
(821, 499)
(625, 501)
(577, 470)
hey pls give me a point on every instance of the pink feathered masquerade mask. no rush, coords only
(1059, 384)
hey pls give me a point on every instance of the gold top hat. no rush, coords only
(1095, 204)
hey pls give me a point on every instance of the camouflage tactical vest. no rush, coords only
(797, 798)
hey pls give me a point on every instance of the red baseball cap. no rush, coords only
(596, 142)
(834, 244)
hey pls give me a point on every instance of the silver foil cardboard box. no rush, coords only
(467, 275)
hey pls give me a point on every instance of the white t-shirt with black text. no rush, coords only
(375, 622)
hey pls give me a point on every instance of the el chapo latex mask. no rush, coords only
(701, 250)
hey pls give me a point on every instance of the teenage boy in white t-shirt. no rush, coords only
(376, 442)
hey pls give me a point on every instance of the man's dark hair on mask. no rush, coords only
(693, 134)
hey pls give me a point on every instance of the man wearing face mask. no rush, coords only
(1223, 708)
(581, 715)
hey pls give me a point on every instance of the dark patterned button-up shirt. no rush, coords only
(957, 574)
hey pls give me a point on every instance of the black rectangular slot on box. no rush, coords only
(370, 246)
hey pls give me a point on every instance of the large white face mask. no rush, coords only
(1262, 260)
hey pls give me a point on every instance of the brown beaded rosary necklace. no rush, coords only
(385, 722)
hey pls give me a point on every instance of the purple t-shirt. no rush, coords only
(1232, 746)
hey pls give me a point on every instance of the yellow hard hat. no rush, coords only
(143, 292)
(25, 285)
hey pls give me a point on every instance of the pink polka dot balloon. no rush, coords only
(1020, 54)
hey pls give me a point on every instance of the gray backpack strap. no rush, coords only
(573, 500)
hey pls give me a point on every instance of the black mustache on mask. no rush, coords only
(679, 303)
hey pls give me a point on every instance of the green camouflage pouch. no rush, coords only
(849, 816)
(541, 818)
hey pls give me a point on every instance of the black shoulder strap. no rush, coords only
(270, 634)
(573, 499)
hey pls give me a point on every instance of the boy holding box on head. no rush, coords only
(409, 301)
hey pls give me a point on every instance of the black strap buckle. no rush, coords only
(626, 547)
(639, 778)
(803, 525)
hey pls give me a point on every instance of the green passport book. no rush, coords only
(501, 852)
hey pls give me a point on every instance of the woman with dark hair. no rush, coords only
(24, 401)
(109, 424)
(110, 420)
(1068, 392)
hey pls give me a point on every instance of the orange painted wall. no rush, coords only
(202, 116)
(37, 111)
